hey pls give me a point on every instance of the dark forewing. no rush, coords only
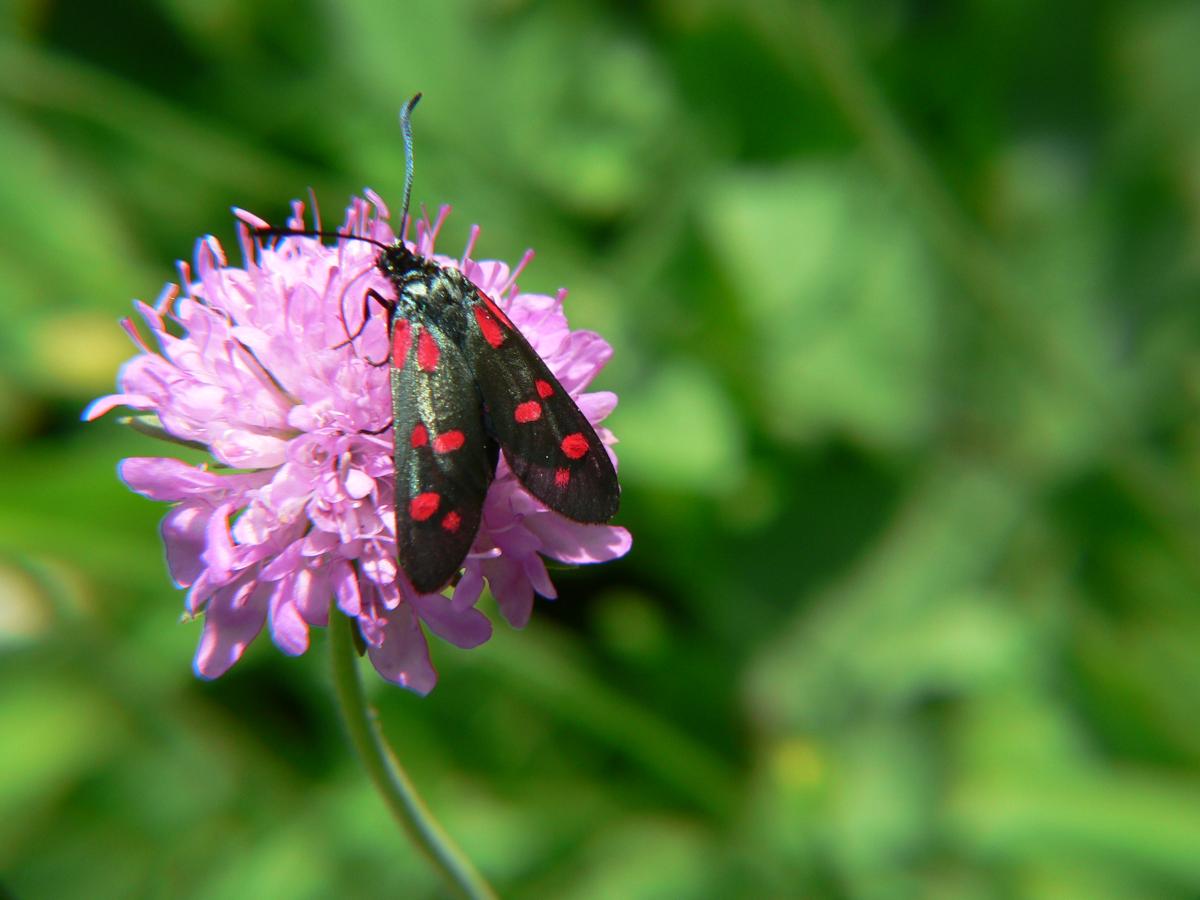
(549, 444)
(445, 460)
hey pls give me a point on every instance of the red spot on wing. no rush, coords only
(562, 477)
(494, 309)
(401, 341)
(451, 521)
(420, 436)
(530, 411)
(422, 506)
(449, 440)
(544, 388)
(492, 332)
(575, 445)
(427, 351)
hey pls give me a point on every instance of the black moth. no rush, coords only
(465, 385)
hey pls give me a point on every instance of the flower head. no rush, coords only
(254, 363)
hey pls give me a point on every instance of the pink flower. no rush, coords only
(253, 364)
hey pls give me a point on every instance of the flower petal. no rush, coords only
(101, 405)
(234, 617)
(402, 657)
(288, 628)
(469, 588)
(346, 589)
(596, 405)
(313, 593)
(161, 478)
(512, 590)
(184, 530)
(220, 552)
(572, 542)
(464, 628)
(359, 484)
(539, 578)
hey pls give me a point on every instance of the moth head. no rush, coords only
(396, 261)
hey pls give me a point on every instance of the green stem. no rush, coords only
(390, 779)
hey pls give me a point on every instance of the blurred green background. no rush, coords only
(903, 297)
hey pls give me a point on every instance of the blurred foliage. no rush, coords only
(904, 302)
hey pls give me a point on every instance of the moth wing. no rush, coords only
(549, 444)
(445, 459)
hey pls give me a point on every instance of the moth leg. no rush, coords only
(388, 306)
(379, 430)
(371, 294)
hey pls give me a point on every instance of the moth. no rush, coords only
(466, 385)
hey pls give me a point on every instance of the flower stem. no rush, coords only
(389, 776)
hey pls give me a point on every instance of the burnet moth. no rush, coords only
(466, 384)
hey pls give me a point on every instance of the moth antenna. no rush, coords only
(273, 231)
(406, 131)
